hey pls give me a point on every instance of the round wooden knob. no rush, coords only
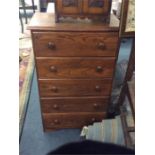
(51, 45)
(98, 88)
(93, 119)
(95, 105)
(99, 69)
(55, 89)
(101, 46)
(56, 121)
(53, 69)
(55, 106)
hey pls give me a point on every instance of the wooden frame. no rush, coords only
(129, 91)
(98, 11)
(127, 21)
(83, 10)
(128, 76)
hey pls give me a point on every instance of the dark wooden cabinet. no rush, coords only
(83, 8)
(75, 67)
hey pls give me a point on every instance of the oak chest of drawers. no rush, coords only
(75, 67)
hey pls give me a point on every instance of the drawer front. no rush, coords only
(78, 120)
(75, 44)
(74, 104)
(56, 88)
(75, 67)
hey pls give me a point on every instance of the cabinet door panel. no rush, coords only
(68, 6)
(96, 6)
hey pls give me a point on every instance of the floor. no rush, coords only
(34, 141)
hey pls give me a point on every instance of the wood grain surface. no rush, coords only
(58, 88)
(70, 120)
(58, 67)
(75, 44)
(46, 22)
(74, 104)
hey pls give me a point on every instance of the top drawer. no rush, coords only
(75, 44)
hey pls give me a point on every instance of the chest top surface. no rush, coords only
(46, 22)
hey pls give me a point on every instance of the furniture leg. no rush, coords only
(33, 7)
(21, 22)
(24, 9)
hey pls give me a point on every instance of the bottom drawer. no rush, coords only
(71, 120)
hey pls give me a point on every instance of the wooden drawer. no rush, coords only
(75, 67)
(74, 104)
(56, 88)
(72, 120)
(75, 44)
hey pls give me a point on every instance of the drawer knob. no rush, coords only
(53, 69)
(95, 105)
(56, 121)
(98, 88)
(99, 69)
(55, 89)
(93, 119)
(51, 45)
(55, 106)
(101, 46)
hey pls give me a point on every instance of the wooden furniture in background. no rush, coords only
(127, 21)
(75, 66)
(21, 22)
(131, 95)
(128, 90)
(83, 8)
(128, 130)
(129, 74)
(23, 8)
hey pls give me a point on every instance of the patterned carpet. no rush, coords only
(26, 67)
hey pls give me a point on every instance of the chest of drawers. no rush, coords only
(75, 66)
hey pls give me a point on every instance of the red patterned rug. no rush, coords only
(26, 67)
